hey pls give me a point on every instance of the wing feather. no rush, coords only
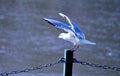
(74, 27)
(59, 25)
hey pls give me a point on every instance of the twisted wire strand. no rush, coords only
(62, 60)
(115, 68)
(31, 69)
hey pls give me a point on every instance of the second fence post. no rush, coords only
(67, 70)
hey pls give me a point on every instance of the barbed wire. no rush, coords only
(62, 60)
(32, 68)
(115, 68)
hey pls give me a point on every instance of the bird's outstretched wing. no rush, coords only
(78, 30)
(60, 25)
(74, 27)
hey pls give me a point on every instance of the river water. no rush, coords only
(26, 40)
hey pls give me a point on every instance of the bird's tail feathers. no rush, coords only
(89, 42)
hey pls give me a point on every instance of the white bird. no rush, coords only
(74, 34)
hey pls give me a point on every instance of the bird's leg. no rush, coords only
(72, 49)
(76, 47)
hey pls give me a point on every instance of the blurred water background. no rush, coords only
(27, 40)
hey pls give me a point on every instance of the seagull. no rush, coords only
(73, 32)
